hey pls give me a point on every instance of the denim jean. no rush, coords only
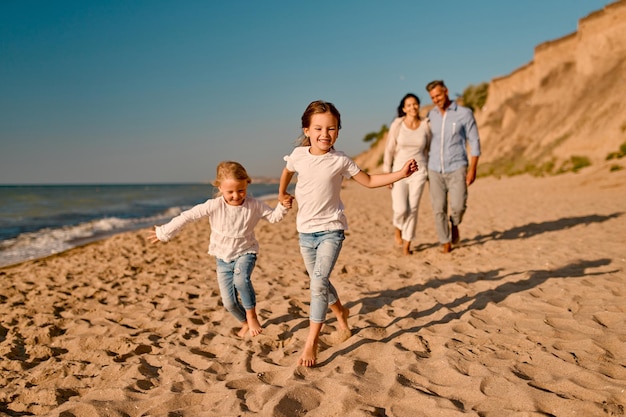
(233, 279)
(442, 186)
(320, 251)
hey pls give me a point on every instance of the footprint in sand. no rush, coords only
(414, 343)
(298, 402)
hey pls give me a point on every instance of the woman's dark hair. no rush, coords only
(401, 112)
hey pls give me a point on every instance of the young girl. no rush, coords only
(232, 216)
(408, 138)
(321, 221)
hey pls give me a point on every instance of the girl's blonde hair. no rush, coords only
(230, 170)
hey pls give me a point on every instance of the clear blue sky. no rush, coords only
(161, 91)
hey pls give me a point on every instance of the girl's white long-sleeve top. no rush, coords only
(232, 227)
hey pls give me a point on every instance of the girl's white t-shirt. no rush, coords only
(318, 187)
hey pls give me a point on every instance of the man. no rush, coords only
(449, 175)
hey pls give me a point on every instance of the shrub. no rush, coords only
(475, 96)
(619, 154)
(574, 164)
(375, 137)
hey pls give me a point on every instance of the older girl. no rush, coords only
(321, 221)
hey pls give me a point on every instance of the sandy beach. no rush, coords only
(526, 317)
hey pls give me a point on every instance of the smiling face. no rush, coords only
(439, 96)
(234, 191)
(322, 132)
(411, 107)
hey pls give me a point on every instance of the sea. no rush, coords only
(41, 220)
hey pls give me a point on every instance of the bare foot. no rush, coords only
(339, 336)
(253, 323)
(446, 248)
(456, 237)
(343, 335)
(309, 355)
(342, 319)
(406, 247)
(244, 329)
(398, 237)
(255, 327)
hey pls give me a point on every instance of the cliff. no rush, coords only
(567, 102)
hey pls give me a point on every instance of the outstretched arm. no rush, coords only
(380, 180)
(152, 236)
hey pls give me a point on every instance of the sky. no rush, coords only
(161, 91)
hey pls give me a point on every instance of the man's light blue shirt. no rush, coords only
(451, 133)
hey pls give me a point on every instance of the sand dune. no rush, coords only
(526, 317)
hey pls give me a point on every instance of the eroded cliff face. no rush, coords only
(570, 101)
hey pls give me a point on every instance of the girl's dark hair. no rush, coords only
(316, 107)
(401, 112)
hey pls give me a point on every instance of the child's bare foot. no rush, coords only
(255, 327)
(309, 355)
(342, 319)
(244, 329)
(339, 336)
(253, 323)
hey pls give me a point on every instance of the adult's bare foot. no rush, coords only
(446, 248)
(398, 237)
(456, 237)
(406, 247)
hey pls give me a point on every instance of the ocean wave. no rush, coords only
(50, 241)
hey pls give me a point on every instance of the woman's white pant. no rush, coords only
(405, 200)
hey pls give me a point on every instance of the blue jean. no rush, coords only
(233, 279)
(320, 251)
(442, 186)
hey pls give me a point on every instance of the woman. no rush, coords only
(408, 138)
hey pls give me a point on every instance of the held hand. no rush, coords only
(409, 168)
(287, 201)
(152, 236)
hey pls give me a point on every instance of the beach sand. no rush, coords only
(527, 317)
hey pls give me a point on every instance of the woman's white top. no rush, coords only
(404, 144)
